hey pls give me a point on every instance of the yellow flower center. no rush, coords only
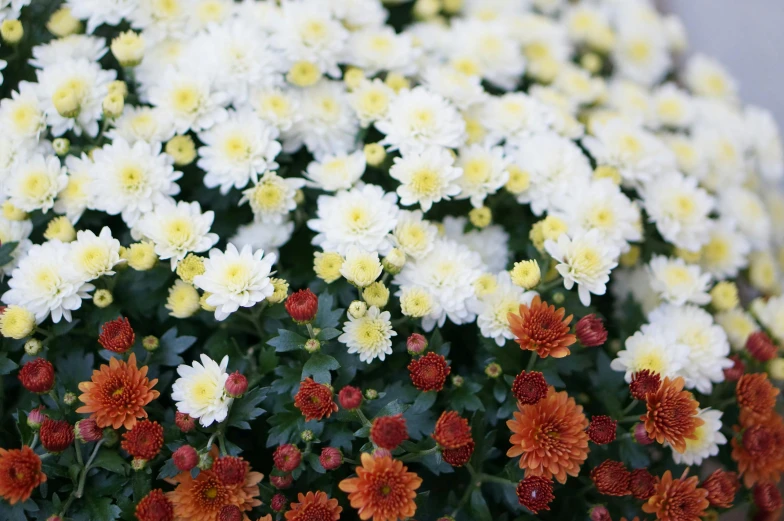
(236, 147)
(132, 179)
(476, 171)
(36, 185)
(179, 231)
(186, 99)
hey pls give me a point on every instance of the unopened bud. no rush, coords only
(312, 345)
(128, 48)
(138, 464)
(110, 437)
(61, 146)
(416, 344)
(151, 343)
(66, 101)
(641, 435)
(113, 105)
(69, 398)
(493, 370)
(357, 309)
(458, 380)
(236, 385)
(205, 461)
(36, 417)
(11, 31)
(307, 435)
(33, 346)
(371, 394)
(394, 261)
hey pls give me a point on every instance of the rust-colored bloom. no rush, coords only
(331, 458)
(389, 431)
(611, 478)
(314, 507)
(429, 372)
(230, 513)
(535, 493)
(350, 398)
(155, 506)
(302, 306)
(287, 457)
(677, 499)
(87, 430)
(184, 422)
(202, 498)
(185, 458)
(383, 490)
(759, 450)
(602, 429)
(144, 441)
(550, 436)
(20, 474)
(644, 382)
(642, 483)
(117, 394)
(760, 346)
(529, 388)
(37, 376)
(314, 400)
(278, 502)
(56, 435)
(459, 456)
(767, 497)
(722, 487)
(541, 328)
(733, 374)
(117, 335)
(756, 393)
(672, 414)
(452, 431)
(590, 331)
(231, 470)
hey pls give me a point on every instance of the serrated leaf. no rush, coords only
(392, 408)
(168, 470)
(171, 347)
(479, 506)
(319, 366)
(326, 316)
(424, 401)
(287, 341)
(329, 333)
(6, 252)
(141, 485)
(500, 392)
(101, 508)
(465, 399)
(246, 408)
(110, 460)
(284, 425)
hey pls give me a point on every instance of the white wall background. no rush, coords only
(748, 37)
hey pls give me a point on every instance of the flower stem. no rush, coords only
(629, 419)
(531, 361)
(629, 407)
(411, 456)
(363, 418)
(487, 478)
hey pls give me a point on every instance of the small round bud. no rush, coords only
(302, 306)
(350, 398)
(150, 343)
(559, 297)
(36, 417)
(110, 437)
(12, 213)
(371, 394)
(185, 458)
(287, 457)
(307, 435)
(599, 513)
(374, 154)
(66, 101)
(69, 398)
(62, 23)
(138, 464)
(458, 380)
(102, 298)
(184, 422)
(87, 431)
(61, 146)
(376, 294)
(113, 105)
(61, 229)
(331, 458)
(303, 74)
(205, 461)
(416, 344)
(118, 87)
(312, 345)
(128, 48)
(182, 149)
(278, 502)
(641, 435)
(11, 31)
(353, 77)
(33, 346)
(281, 291)
(236, 385)
(357, 309)
(480, 217)
(493, 370)
(282, 482)
(394, 261)
(591, 62)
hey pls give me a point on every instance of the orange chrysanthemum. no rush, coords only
(541, 328)
(677, 499)
(117, 394)
(314, 507)
(314, 400)
(722, 487)
(383, 490)
(202, 499)
(672, 414)
(759, 450)
(549, 436)
(452, 431)
(756, 393)
(20, 474)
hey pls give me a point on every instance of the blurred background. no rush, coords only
(745, 35)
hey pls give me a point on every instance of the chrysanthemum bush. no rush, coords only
(337, 259)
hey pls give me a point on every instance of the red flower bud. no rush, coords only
(302, 305)
(416, 344)
(641, 435)
(459, 456)
(733, 374)
(529, 388)
(331, 458)
(37, 376)
(428, 373)
(185, 458)
(602, 429)
(36, 417)
(231, 470)
(600, 513)
(56, 435)
(767, 497)
(278, 502)
(87, 430)
(117, 335)
(350, 398)
(535, 493)
(230, 513)
(760, 346)
(236, 385)
(281, 482)
(184, 422)
(287, 457)
(389, 431)
(144, 441)
(590, 331)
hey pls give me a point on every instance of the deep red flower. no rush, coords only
(144, 441)
(302, 306)
(459, 456)
(529, 388)
(117, 335)
(722, 487)
(56, 435)
(590, 331)
(37, 376)
(184, 422)
(350, 398)
(236, 384)
(230, 513)
(282, 482)
(452, 431)
(36, 417)
(611, 478)
(642, 483)
(602, 429)
(429, 372)
(87, 430)
(231, 470)
(278, 502)
(644, 382)
(331, 458)
(760, 346)
(185, 458)
(155, 506)
(733, 374)
(535, 493)
(599, 513)
(287, 457)
(389, 431)
(314, 400)
(767, 497)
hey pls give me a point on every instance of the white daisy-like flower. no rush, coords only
(237, 150)
(263, 236)
(176, 229)
(493, 310)
(277, 107)
(150, 124)
(680, 209)
(273, 197)
(18, 232)
(199, 391)
(672, 107)
(641, 54)
(77, 195)
(749, 213)
(99, 12)
(374, 49)
(705, 441)
(678, 282)
(34, 183)
(707, 77)
(236, 279)
(514, 116)
(363, 217)
(419, 118)
(358, 14)
(491, 242)
(131, 180)
(189, 100)
(413, 235)
(23, 113)
(484, 172)
(425, 177)
(360, 267)
(370, 335)
(726, 251)
(585, 260)
(770, 313)
(371, 100)
(71, 47)
(338, 172)
(707, 344)
(766, 143)
(10, 9)
(93, 256)
(578, 85)
(653, 348)
(45, 285)
(463, 90)
(161, 20)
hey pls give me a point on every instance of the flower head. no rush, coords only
(185, 458)
(672, 414)
(87, 430)
(155, 506)
(590, 331)
(642, 483)
(184, 422)
(541, 328)
(383, 490)
(767, 497)
(231, 470)
(459, 456)
(611, 478)
(529, 387)
(643, 383)
(117, 335)
(314, 507)
(722, 487)
(20, 474)
(314, 400)
(756, 393)
(602, 429)
(200, 390)
(677, 499)
(287, 457)
(733, 373)
(389, 431)
(117, 394)
(759, 450)
(144, 440)
(761, 347)
(369, 335)
(37, 376)
(331, 458)
(302, 306)
(350, 398)
(535, 493)
(56, 435)
(236, 384)
(429, 372)
(452, 431)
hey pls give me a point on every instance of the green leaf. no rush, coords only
(13, 513)
(6, 252)
(465, 399)
(246, 408)
(392, 408)
(284, 424)
(172, 347)
(326, 316)
(141, 485)
(319, 365)
(168, 470)
(479, 506)
(101, 508)
(329, 333)
(110, 460)
(424, 401)
(287, 341)
(268, 360)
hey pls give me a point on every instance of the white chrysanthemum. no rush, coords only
(585, 260)
(189, 100)
(22, 115)
(99, 12)
(84, 85)
(263, 236)
(723, 150)
(739, 325)
(93, 256)
(199, 391)
(376, 49)
(653, 348)
(131, 180)
(71, 47)
(161, 20)
(425, 177)
(633, 284)
(749, 213)
(18, 232)
(578, 85)
(34, 183)
(554, 165)
(680, 209)
(461, 89)
(360, 267)
(413, 235)
(149, 124)
(176, 229)
(44, 284)
(485, 48)
(514, 116)
(237, 150)
(235, 279)
(370, 335)
(690, 155)
(371, 100)
(338, 172)
(707, 344)
(562, 109)
(448, 274)
(640, 53)
(726, 251)
(419, 118)
(678, 282)
(705, 441)
(707, 77)
(273, 197)
(631, 102)
(637, 154)
(358, 13)
(672, 107)
(771, 315)
(484, 172)
(491, 242)
(363, 217)
(278, 107)
(493, 310)
(77, 195)
(10, 9)
(765, 142)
